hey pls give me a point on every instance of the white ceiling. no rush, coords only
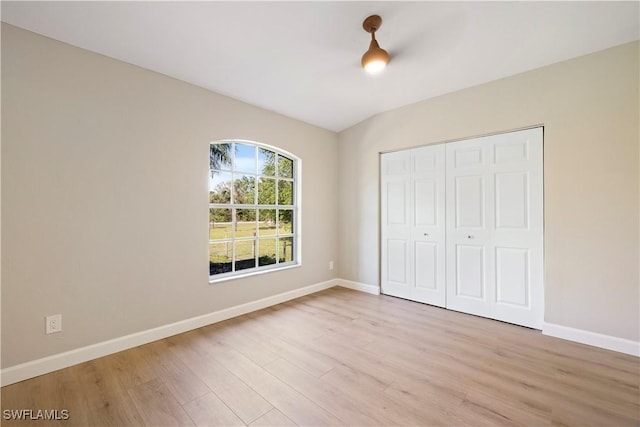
(302, 59)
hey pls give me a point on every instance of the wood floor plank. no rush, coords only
(70, 395)
(183, 383)
(435, 371)
(341, 357)
(275, 347)
(340, 347)
(234, 334)
(504, 409)
(57, 391)
(429, 389)
(209, 410)
(570, 411)
(321, 318)
(106, 395)
(281, 320)
(282, 396)
(273, 418)
(412, 359)
(380, 405)
(157, 406)
(334, 319)
(333, 400)
(607, 397)
(242, 399)
(128, 366)
(361, 376)
(302, 356)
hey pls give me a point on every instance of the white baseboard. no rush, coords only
(362, 287)
(595, 339)
(34, 368)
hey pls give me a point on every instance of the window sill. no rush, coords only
(227, 276)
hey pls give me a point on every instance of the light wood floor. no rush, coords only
(342, 357)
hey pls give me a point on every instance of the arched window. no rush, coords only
(254, 212)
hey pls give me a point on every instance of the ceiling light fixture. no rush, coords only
(375, 59)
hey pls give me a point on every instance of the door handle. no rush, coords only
(469, 236)
(426, 234)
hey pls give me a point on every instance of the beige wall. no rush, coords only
(589, 108)
(104, 197)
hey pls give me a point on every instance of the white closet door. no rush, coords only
(428, 220)
(395, 223)
(413, 225)
(469, 215)
(517, 175)
(494, 227)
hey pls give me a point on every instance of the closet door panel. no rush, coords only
(428, 227)
(397, 262)
(396, 203)
(469, 215)
(426, 262)
(425, 193)
(494, 220)
(413, 224)
(512, 200)
(470, 272)
(395, 224)
(517, 238)
(512, 277)
(469, 201)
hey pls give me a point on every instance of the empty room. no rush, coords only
(320, 213)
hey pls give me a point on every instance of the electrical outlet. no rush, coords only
(54, 323)
(330, 265)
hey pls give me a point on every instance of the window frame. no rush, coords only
(296, 208)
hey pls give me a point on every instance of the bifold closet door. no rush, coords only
(395, 224)
(495, 227)
(413, 224)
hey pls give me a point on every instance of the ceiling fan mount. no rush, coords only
(372, 23)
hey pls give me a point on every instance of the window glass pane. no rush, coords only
(285, 192)
(220, 224)
(285, 221)
(220, 257)
(219, 187)
(245, 158)
(267, 254)
(266, 191)
(266, 162)
(244, 188)
(285, 167)
(285, 249)
(267, 223)
(242, 236)
(245, 254)
(220, 156)
(245, 223)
